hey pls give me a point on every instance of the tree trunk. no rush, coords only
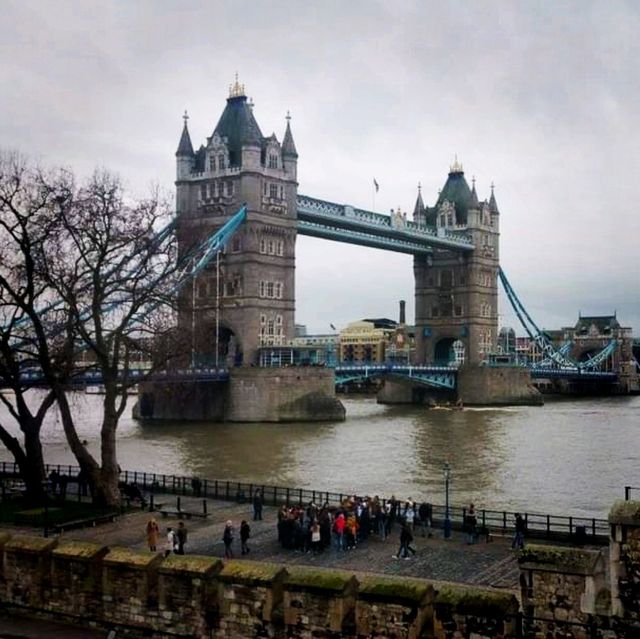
(30, 463)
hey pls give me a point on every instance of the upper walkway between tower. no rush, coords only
(328, 220)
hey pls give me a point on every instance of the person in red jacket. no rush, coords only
(339, 527)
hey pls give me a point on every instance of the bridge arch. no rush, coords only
(225, 342)
(449, 350)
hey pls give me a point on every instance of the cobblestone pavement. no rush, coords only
(489, 564)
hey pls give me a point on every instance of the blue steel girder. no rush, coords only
(352, 225)
(326, 232)
(571, 374)
(434, 376)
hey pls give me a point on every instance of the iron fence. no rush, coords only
(494, 522)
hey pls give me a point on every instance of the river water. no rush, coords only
(569, 457)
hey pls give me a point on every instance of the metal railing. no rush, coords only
(627, 492)
(494, 522)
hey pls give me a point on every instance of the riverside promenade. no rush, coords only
(492, 564)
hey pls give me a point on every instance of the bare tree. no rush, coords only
(115, 277)
(27, 196)
(104, 288)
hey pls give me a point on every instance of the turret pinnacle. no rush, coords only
(288, 146)
(473, 200)
(185, 148)
(418, 209)
(493, 205)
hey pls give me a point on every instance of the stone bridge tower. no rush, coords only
(245, 299)
(457, 294)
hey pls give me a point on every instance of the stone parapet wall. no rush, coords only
(624, 559)
(560, 583)
(152, 596)
(252, 394)
(494, 386)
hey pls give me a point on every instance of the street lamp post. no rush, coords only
(446, 470)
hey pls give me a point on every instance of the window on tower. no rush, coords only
(273, 191)
(273, 161)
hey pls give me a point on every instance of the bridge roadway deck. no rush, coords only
(491, 564)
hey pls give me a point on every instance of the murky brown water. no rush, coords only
(569, 457)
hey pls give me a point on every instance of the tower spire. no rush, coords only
(473, 200)
(288, 145)
(493, 205)
(185, 148)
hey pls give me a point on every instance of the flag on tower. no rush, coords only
(376, 185)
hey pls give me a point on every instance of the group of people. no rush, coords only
(175, 540)
(314, 528)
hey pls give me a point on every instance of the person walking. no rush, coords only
(518, 538)
(406, 537)
(171, 542)
(245, 533)
(257, 505)
(181, 535)
(153, 532)
(227, 538)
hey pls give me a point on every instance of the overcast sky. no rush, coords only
(542, 98)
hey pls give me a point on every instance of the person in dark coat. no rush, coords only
(518, 538)
(181, 535)
(257, 505)
(245, 533)
(227, 538)
(405, 543)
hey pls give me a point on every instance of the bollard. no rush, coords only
(204, 506)
(178, 503)
(151, 505)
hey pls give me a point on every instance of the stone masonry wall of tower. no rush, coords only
(457, 295)
(255, 287)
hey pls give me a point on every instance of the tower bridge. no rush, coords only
(243, 301)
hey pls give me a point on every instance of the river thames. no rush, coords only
(569, 457)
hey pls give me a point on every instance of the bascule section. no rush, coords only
(456, 293)
(244, 299)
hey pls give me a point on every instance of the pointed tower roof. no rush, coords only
(473, 200)
(237, 124)
(288, 145)
(457, 191)
(185, 148)
(493, 205)
(418, 209)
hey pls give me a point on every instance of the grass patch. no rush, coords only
(23, 513)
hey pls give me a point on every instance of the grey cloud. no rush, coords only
(540, 97)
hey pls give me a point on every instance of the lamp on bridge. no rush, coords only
(446, 471)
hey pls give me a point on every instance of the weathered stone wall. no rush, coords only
(624, 558)
(508, 385)
(191, 401)
(148, 595)
(467, 611)
(251, 395)
(282, 395)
